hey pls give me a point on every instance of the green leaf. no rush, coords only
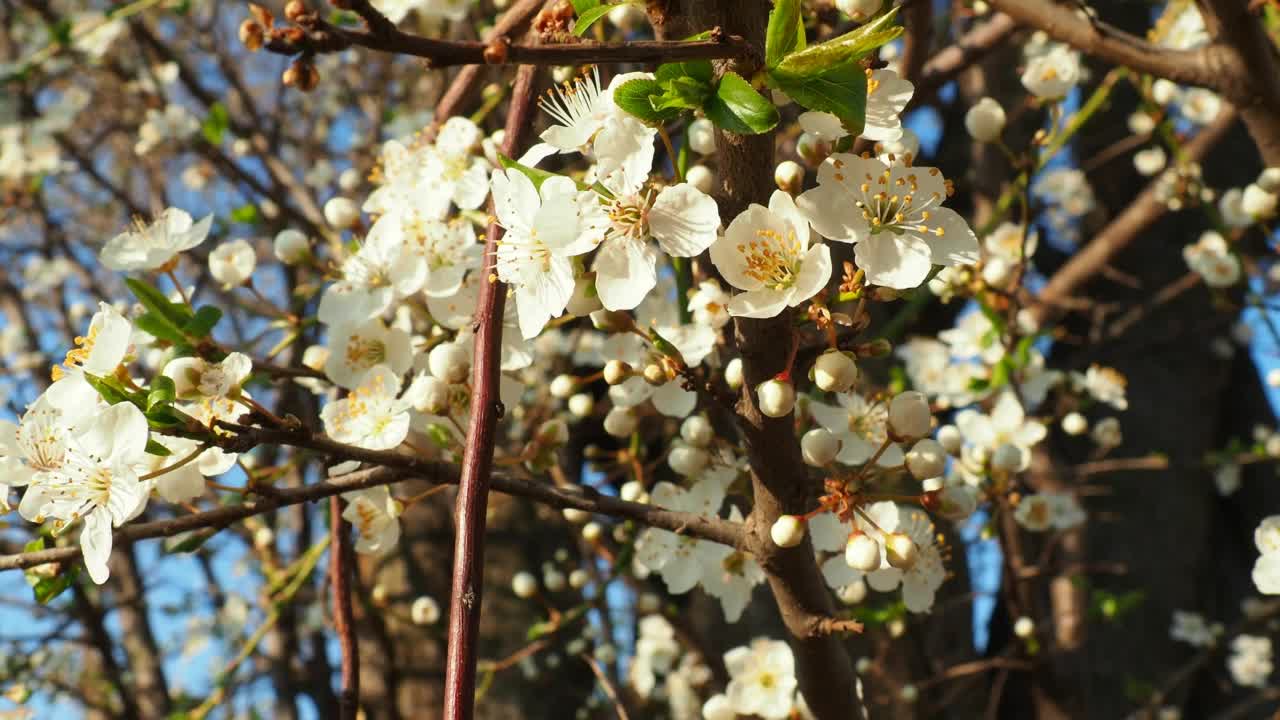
(155, 302)
(162, 417)
(633, 96)
(60, 32)
(590, 17)
(48, 588)
(684, 93)
(159, 327)
(155, 448)
(786, 32)
(534, 174)
(108, 388)
(737, 107)
(215, 125)
(696, 69)
(665, 346)
(344, 18)
(200, 325)
(839, 90)
(246, 214)
(581, 6)
(161, 392)
(850, 47)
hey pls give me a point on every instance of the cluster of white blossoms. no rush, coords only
(1212, 259)
(1266, 571)
(1251, 660)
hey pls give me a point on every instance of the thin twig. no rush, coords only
(340, 568)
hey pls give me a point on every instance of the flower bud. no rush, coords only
(853, 593)
(702, 137)
(863, 666)
(950, 438)
(291, 246)
(232, 263)
(1150, 161)
(425, 611)
(575, 516)
(909, 693)
(349, 180)
(655, 375)
(252, 35)
(449, 362)
(1024, 627)
(777, 397)
(582, 405)
(1106, 433)
(901, 551)
(553, 433)
(434, 397)
(701, 177)
(789, 177)
(554, 580)
(996, 271)
(592, 531)
(627, 17)
(562, 386)
(957, 502)
(1164, 91)
(341, 213)
(1074, 423)
(620, 422)
(616, 372)
(787, 531)
(819, 447)
(631, 491)
(927, 459)
(835, 371)
(294, 10)
(579, 578)
(862, 552)
(1269, 180)
(812, 149)
(1007, 458)
(985, 120)
(688, 460)
(733, 373)
(1258, 203)
(909, 415)
(859, 9)
(697, 431)
(524, 585)
(302, 75)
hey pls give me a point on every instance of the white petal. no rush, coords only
(763, 303)
(684, 220)
(626, 270)
(957, 245)
(896, 261)
(95, 544)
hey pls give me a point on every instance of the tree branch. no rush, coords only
(340, 568)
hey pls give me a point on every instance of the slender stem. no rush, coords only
(340, 567)
(170, 468)
(177, 284)
(477, 458)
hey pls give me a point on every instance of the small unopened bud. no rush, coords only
(862, 552)
(697, 431)
(901, 551)
(655, 375)
(811, 149)
(616, 372)
(581, 405)
(1269, 180)
(434, 396)
(909, 415)
(294, 10)
(777, 397)
(554, 580)
(985, 120)
(835, 371)
(702, 178)
(1258, 203)
(425, 611)
(252, 35)
(620, 422)
(592, 531)
(449, 362)
(1073, 423)
(688, 460)
(341, 213)
(576, 516)
(702, 137)
(787, 531)
(789, 177)
(819, 447)
(733, 373)
(524, 585)
(927, 459)
(553, 433)
(302, 75)
(876, 348)
(291, 246)
(950, 438)
(562, 386)
(859, 9)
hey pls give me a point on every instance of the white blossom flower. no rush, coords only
(1052, 74)
(1008, 242)
(1212, 259)
(887, 96)
(383, 270)
(1250, 663)
(1106, 385)
(766, 253)
(148, 247)
(1191, 628)
(861, 426)
(355, 349)
(101, 349)
(376, 517)
(894, 216)
(371, 416)
(678, 558)
(1007, 424)
(97, 482)
(195, 377)
(709, 304)
(585, 116)
(232, 263)
(545, 228)
(762, 679)
(729, 575)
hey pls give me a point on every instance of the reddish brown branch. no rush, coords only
(341, 563)
(477, 459)
(971, 47)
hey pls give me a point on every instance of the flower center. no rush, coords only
(365, 352)
(772, 258)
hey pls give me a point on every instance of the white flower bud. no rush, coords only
(1164, 91)
(449, 362)
(909, 693)
(1024, 627)
(819, 447)
(1073, 423)
(931, 484)
(777, 397)
(562, 386)
(863, 666)
(631, 491)
(950, 438)
(701, 177)
(616, 372)
(606, 654)
(349, 179)
(901, 551)
(702, 137)
(585, 300)
(733, 373)
(835, 371)
(524, 585)
(1258, 203)
(985, 120)
(554, 580)
(789, 176)
(697, 431)
(620, 422)
(853, 593)
(862, 552)
(232, 263)
(655, 375)
(787, 531)
(996, 271)
(927, 459)
(341, 213)
(578, 579)
(957, 502)
(1106, 433)
(909, 415)
(291, 246)
(1269, 180)
(688, 460)
(575, 516)
(1150, 161)
(1141, 123)
(582, 405)
(627, 17)
(434, 398)
(1007, 458)
(263, 538)
(812, 149)
(378, 595)
(425, 611)
(592, 531)
(859, 9)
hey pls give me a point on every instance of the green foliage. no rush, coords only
(587, 18)
(737, 107)
(246, 214)
(215, 124)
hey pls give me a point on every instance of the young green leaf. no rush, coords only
(852, 46)
(155, 448)
(634, 97)
(581, 6)
(215, 125)
(155, 302)
(162, 329)
(161, 392)
(785, 33)
(109, 388)
(201, 324)
(246, 214)
(534, 174)
(590, 17)
(839, 90)
(684, 93)
(737, 107)
(696, 69)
